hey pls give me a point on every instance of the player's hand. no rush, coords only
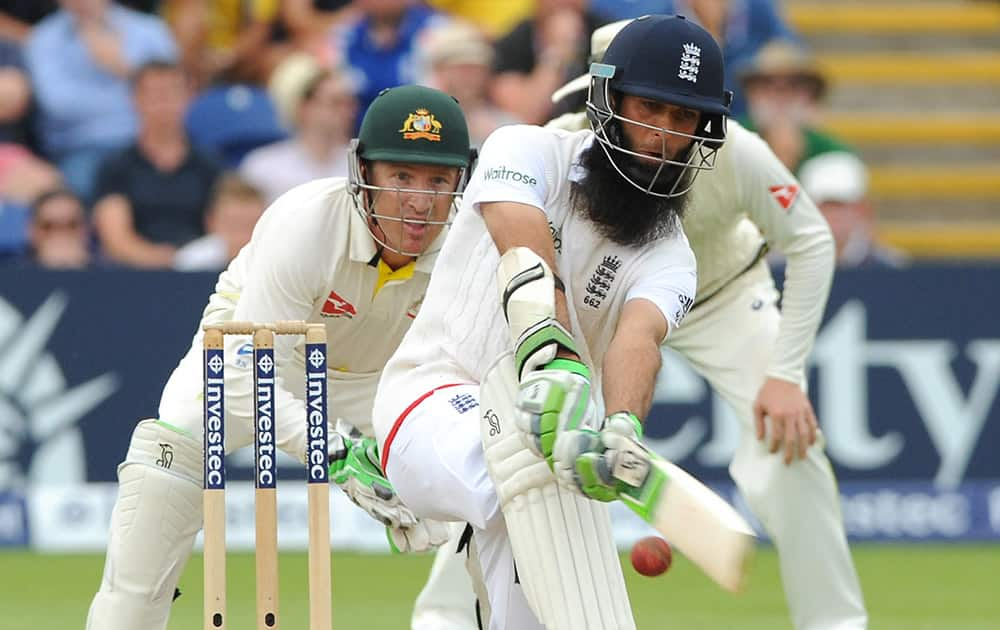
(552, 400)
(600, 464)
(354, 466)
(793, 425)
(427, 534)
(540, 344)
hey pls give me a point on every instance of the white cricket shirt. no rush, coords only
(461, 327)
(311, 258)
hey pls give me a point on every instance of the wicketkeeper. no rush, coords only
(354, 254)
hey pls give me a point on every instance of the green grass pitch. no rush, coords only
(906, 588)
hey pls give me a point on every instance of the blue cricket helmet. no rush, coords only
(670, 59)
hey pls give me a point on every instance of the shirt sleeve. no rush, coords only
(11, 55)
(280, 279)
(111, 176)
(668, 280)
(792, 224)
(511, 167)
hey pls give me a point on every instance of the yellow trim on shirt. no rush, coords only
(386, 274)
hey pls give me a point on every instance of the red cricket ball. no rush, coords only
(651, 556)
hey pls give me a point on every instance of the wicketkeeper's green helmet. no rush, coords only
(413, 124)
(417, 124)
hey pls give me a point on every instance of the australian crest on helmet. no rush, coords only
(421, 124)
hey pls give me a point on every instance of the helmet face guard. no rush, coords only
(670, 60)
(674, 175)
(365, 196)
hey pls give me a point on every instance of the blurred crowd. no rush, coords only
(153, 133)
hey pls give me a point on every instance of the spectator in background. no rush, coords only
(306, 23)
(79, 59)
(22, 175)
(837, 182)
(153, 195)
(17, 17)
(494, 18)
(229, 223)
(223, 41)
(15, 94)
(378, 45)
(539, 55)
(784, 90)
(741, 27)
(458, 59)
(321, 114)
(146, 6)
(59, 235)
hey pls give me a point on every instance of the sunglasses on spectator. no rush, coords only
(68, 226)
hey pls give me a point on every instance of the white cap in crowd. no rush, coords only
(456, 42)
(836, 176)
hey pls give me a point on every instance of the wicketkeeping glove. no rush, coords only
(595, 462)
(354, 467)
(426, 534)
(553, 400)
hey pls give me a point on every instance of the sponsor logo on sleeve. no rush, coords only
(684, 306)
(244, 354)
(556, 233)
(414, 308)
(504, 174)
(785, 194)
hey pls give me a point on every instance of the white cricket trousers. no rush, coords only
(437, 467)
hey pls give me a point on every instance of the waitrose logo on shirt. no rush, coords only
(502, 173)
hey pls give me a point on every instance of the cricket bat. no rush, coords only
(692, 518)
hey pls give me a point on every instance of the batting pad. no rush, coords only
(566, 557)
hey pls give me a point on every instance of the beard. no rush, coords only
(622, 212)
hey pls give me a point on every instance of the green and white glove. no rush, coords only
(596, 462)
(355, 468)
(537, 346)
(553, 400)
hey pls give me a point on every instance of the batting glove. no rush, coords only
(596, 463)
(553, 400)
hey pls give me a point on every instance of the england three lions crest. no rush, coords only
(690, 63)
(421, 124)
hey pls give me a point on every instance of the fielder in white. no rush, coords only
(568, 250)
(754, 356)
(354, 254)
